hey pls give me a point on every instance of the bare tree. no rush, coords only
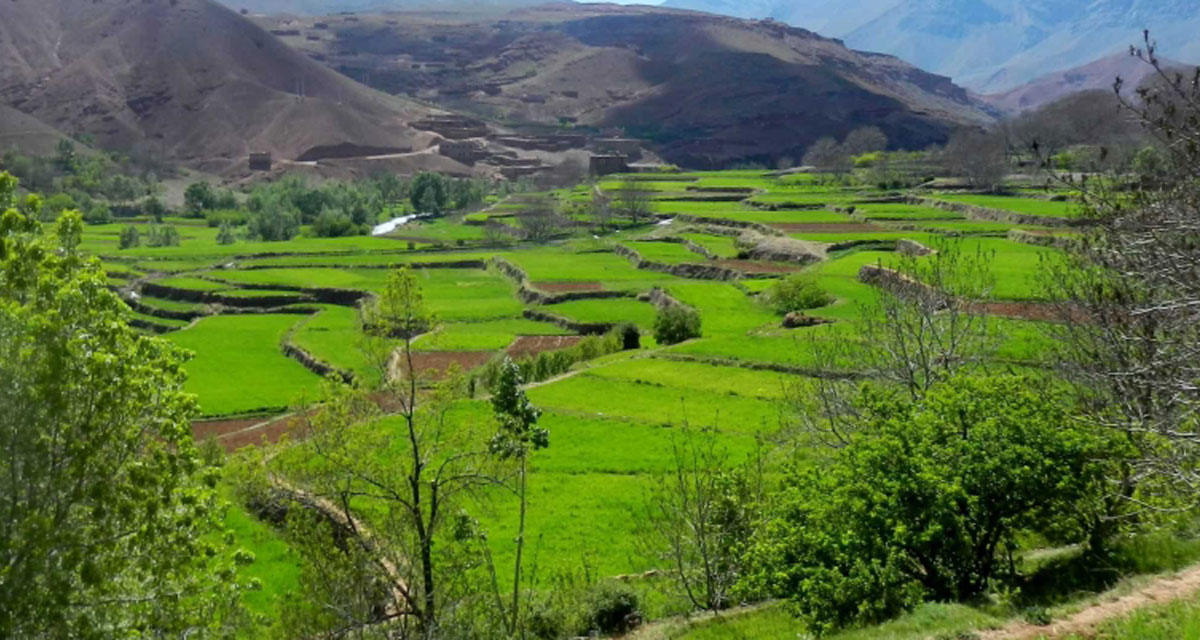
(601, 208)
(700, 517)
(635, 201)
(928, 322)
(405, 569)
(865, 140)
(539, 219)
(978, 156)
(1129, 302)
(826, 154)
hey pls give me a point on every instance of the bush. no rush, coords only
(225, 234)
(676, 323)
(154, 208)
(99, 213)
(130, 237)
(612, 608)
(274, 221)
(162, 236)
(925, 501)
(333, 223)
(548, 364)
(631, 336)
(796, 293)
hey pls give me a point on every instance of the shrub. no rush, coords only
(925, 500)
(612, 608)
(162, 236)
(154, 208)
(548, 364)
(631, 336)
(334, 223)
(225, 234)
(796, 293)
(676, 323)
(99, 213)
(273, 222)
(130, 237)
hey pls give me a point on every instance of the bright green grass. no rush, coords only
(201, 243)
(276, 566)
(558, 266)
(170, 305)
(773, 622)
(162, 322)
(261, 293)
(197, 284)
(394, 260)
(766, 385)
(589, 396)
(332, 336)
(485, 336)
(238, 366)
(615, 310)
(720, 246)
(900, 211)
(1028, 206)
(667, 252)
(1179, 620)
(723, 308)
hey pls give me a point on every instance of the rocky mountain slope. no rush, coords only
(188, 80)
(705, 90)
(987, 45)
(1097, 75)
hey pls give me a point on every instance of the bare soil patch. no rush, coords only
(826, 227)
(752, 266)
(205, 429)
(435, 364)
(1039, 311)
(566, 287)
(529, 346)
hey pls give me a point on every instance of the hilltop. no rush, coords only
(188, 81)
(704, 90)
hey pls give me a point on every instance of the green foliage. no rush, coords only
(272, 219)
(162, 236)
(333, 223)
(924, 501)
(233, 217)
(429, 193)
(154, 208)
(225, 235)
(110, 516)
(548, 364)
(130, 237)
(518, 432)
(98, 213)
(612, 608)
(798, 292)
(676, 323)
(199, 197)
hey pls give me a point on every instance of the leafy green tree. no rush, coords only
(796, 293)
(162, 236)
(198, 198)
(429, 193)
(676, 323)
(130, 237)
(518, 436)
(65, 157)
(109, 520)
(56, 204)
(925, 501)
(154, 208)
(225, 234)
(272, 218)
(99, 213)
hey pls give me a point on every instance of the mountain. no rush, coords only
(705, 90)
(987, 45)
(324, 7)
(189, 80)
(1097, 75)
(22, 132)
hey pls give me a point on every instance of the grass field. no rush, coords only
(612, 421)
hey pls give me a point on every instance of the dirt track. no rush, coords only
(1086, 622)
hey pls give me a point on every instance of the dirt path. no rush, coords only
(1087, 621)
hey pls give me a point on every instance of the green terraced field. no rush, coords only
(1028, 206)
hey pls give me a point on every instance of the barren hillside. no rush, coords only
(705, 90)
(187, 79)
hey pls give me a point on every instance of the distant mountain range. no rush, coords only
(704, 90)
(1097, 75)
(986, 45)
(328, 7)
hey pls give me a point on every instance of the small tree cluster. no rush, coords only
(796, 293)
(675, 323)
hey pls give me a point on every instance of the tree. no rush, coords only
(796, 293)
(154, 208)
(225, 234)
(517, 437)
(826, 154)
(110, 522)
(675, 323)
(272, 219)
(925, 502)
(429, 193)
(634, 201)
(539, 219)
(977, 156)
(162, 236)
(1128, 336)
(865, 140)
(407, 570)
(600, 208)
(700, 516)
(65, 157)
(198, 198)
(130, 237)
